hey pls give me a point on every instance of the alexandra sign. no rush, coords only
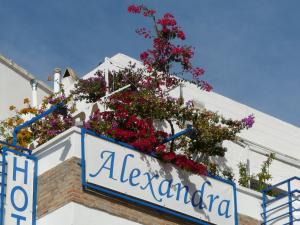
(118, 170)
(18, 188)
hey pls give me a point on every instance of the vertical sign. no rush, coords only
(18, 188)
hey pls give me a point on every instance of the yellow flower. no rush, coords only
(12, 107)
(26, 101)
(33, 110)
(10, 122)
(19, 121)
(24, 111)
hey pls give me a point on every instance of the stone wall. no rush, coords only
(62, 185)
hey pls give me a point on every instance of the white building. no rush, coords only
(63, 198)
(16, 84)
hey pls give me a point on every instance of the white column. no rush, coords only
(34, 85)
(181, 91)
(57, 80)
(106, 60)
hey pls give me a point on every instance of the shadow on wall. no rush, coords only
(65, 145)
(165, 172)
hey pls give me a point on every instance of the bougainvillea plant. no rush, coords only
(25, 136)
(54, 123)
(134, 114)
(91, 89)
(42, 130)
(166, 49)
(145, 114)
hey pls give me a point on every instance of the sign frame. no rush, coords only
(139, 201)
(3, 184)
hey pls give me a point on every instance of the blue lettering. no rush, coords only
(12, 198)
(168, 190)
(199, 204)
(226, 212)
(110, 158)
(134, 174)
(15, 169)
(150, 178)
(124, 166)
(179, 188)
(19, 218)
(211, 202)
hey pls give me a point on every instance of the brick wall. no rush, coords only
(62, 185)
(246, 220)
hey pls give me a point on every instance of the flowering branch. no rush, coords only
(166, 51)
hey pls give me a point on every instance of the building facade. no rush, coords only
(16, 84)
(64, 198)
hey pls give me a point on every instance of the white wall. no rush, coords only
(14, 87)
(59, 149)
(76, 214)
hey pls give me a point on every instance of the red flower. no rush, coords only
(149, 68)
(181, 161)
(134, 9)
(149, 12)
(160, 149)
(201, 169)
(198, 72)
(181, 35)
(176, 50)
(168, 156)
(167, 20)
(189, 165)
(161, 134)
(204, 85)
(144, 56)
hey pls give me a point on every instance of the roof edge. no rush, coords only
(20, 70)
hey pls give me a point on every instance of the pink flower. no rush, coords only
(248, 121)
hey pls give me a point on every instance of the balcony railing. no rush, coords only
(282, 207)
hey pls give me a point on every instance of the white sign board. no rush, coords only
(20, 190)
(112, 168)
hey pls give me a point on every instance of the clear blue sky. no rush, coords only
(250, 49)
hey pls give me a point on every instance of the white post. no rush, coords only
(106, 60)
(34, 85)
(57, 80)
(181, 91)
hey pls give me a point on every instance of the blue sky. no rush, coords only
(250, 49)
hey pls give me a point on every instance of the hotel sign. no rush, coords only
(118, 170)
(18, 188)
